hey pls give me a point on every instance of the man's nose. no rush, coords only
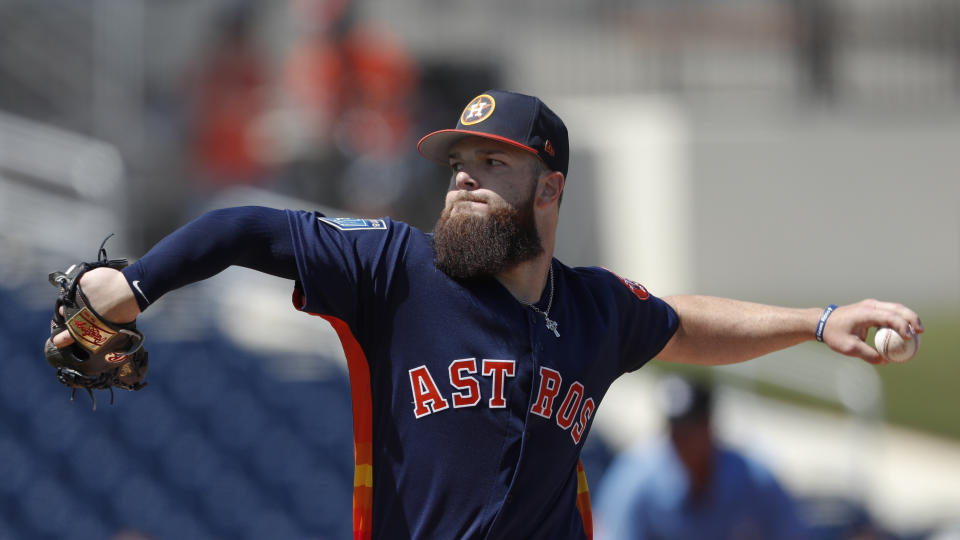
(463, 180)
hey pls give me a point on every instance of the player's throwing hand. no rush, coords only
(845, 330)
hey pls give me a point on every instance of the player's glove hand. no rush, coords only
(104, 354)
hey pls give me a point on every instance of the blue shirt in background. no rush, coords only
(645, 495)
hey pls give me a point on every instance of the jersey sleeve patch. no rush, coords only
(355, 224)
(637, 289)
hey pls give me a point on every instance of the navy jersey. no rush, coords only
(469, 413)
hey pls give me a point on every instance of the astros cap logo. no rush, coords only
(478, 110)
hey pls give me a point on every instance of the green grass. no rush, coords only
(922, 394)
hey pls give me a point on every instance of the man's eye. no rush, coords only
(494, 162)
(456, 167)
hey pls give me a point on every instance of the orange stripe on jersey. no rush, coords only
(362, 429)
(583, 500)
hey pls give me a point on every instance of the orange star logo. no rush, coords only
(478, 110)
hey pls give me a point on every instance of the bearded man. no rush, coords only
(477, 360)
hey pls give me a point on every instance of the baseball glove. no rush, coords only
(104, 354)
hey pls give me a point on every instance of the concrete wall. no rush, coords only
(819, 208)
(772, 203)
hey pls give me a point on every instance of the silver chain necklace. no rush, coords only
(550, 323)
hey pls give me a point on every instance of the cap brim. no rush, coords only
(436, 146)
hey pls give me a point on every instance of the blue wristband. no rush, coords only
(823, 320)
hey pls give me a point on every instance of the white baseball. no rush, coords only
(893, 347)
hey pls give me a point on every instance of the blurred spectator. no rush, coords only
(314, 72)
(351, 85)
(689, 486)
(816, 47)
(228, 95)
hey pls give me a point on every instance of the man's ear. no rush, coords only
(549, 188)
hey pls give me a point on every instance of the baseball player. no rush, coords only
(477, 361)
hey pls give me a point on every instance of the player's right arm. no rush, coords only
(253, 237)
(714, 331)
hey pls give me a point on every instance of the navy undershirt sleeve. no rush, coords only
(250, 236)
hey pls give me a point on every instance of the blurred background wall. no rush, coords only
(800, 152)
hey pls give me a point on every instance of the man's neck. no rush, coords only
(526, 280)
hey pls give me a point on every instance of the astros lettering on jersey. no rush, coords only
(463, 400)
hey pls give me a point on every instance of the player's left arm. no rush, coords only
(714, 331)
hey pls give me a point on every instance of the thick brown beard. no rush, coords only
(469, 246)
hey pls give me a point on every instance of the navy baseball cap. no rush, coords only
(517, 119)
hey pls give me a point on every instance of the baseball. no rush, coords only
(893, 347)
